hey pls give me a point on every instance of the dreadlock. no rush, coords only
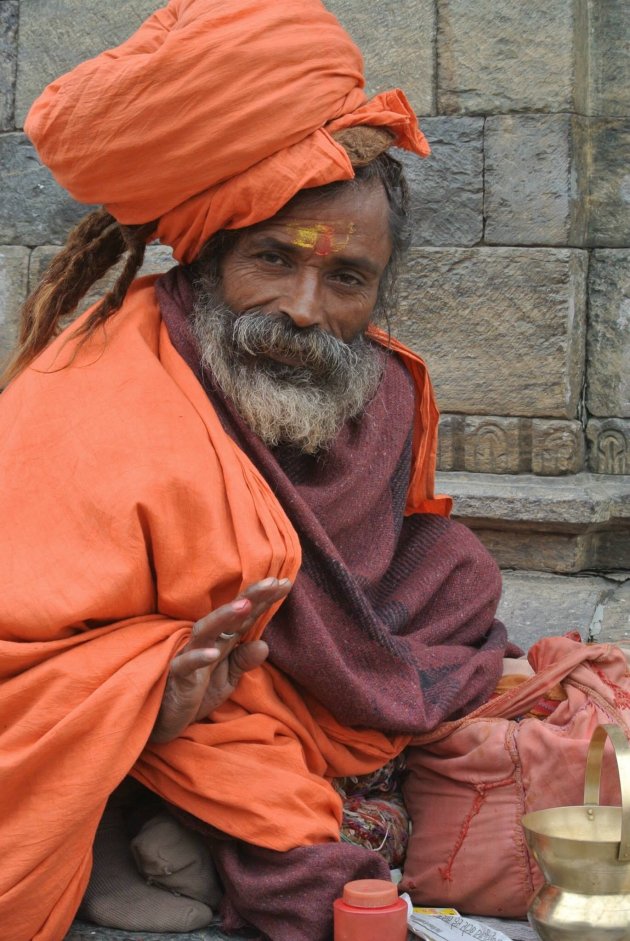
(92, 248)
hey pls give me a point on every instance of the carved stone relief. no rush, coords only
(557, 447)
(499, 445)
(491, 446)
(609, 445)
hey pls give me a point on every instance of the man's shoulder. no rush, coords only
(110, 392)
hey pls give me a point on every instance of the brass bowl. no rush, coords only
(584, 854)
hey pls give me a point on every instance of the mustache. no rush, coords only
(304, 405)
(321, 354)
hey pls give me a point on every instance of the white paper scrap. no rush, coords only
(439, 926)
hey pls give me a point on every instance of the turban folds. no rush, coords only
(212, 115)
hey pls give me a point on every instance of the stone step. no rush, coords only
(84, 931)
(81, 931)
(551, 524)
(540, 604)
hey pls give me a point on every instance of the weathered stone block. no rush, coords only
(502, 329)
(609, 445)
(447, 187)
(396, 40)
(557, 447)
(611, 550)
(8, 61)
(538, 551)
(158, 258)
(536, 604)
(535, 179)
(609, 53)
(609, 198)
(498, 55)
(608, 340)
(491, 446)
(34, 209)
(13, 285)
(82, 28)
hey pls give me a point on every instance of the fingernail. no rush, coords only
(267, 582)
(284, 582)
(241, 605)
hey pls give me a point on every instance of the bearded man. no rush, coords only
(228, 583)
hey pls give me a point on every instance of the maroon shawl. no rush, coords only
(390, 624)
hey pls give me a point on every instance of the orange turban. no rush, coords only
(212, 115)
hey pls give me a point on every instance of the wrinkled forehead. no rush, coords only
(329, 219)
(345, 196)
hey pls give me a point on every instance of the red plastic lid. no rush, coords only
(370, 893)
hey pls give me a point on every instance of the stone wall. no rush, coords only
(518, 285)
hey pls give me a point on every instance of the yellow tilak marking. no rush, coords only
(306, 236)
(322, 238)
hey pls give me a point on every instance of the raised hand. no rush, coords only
(206, 671)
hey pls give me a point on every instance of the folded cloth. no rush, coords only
(198, 121)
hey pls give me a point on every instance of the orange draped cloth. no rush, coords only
(212, 116)
(102, 575)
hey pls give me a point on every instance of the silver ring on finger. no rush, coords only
(224, 636)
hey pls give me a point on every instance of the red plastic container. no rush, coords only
(370, 910)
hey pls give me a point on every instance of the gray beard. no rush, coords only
(305, 404)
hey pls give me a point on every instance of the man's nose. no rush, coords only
(302, 300)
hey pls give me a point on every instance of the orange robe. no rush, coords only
(127, 514)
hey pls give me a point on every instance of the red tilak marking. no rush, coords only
(324, 243)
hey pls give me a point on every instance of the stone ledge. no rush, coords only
(550, 524)
(571, 504)
(80, 931)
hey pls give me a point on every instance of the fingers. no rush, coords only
(228, 673)
(267, 587)
(262, 595)
(246, 657)
(228, 619)
(239, 660)
(206, 645)
(206, 671)
(239, 615)
(189, 661)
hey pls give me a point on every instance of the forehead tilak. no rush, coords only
(322, 238)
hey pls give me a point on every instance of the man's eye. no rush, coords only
(347, 278)
(272, 258)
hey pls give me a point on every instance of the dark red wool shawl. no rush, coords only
(390, 623)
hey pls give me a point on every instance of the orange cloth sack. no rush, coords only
(212, 115)
(473, 779)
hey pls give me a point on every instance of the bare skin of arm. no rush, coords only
(207, 670)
